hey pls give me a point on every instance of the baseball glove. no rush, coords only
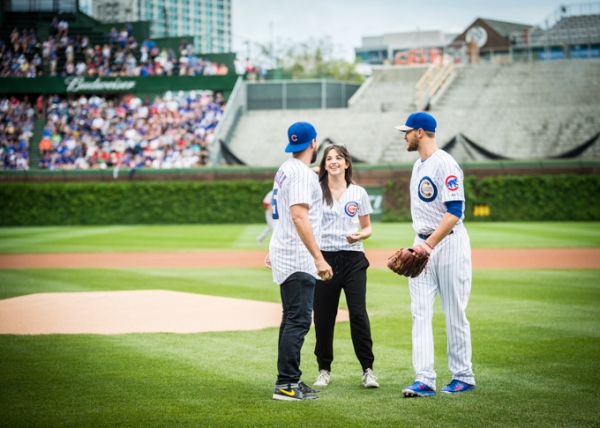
(409, 262)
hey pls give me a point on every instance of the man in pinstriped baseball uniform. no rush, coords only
(295, 257)
(437, 208)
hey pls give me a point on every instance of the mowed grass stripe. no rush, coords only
(223, 237)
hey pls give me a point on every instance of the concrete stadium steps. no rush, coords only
(468, 86)
(34, 143)
(391, 89)
(450, 121)
(261, 136)
(530, 110)
(582, 29)
(464, 94)
(390, 99)
(560, 82)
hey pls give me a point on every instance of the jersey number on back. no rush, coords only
(274, 205)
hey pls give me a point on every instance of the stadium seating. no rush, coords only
(83, 26)
(521, 111)
(16, 126)
(524, 110)
(364, 127)
(41, 22)
(92, 133)
(389, 89)
(573, 30)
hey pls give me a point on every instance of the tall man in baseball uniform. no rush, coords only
(295, 257)
(437, 206)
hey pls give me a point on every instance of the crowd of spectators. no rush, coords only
(248, 69)
(16, 129)
(170, 132)
(13, 59)
(66, 54)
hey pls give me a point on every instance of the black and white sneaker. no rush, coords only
(291, 392)
(307, 389)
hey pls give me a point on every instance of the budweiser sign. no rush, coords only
(79, 84)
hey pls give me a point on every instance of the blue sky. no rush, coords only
(346, 21)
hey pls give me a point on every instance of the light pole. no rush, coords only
(247, 43)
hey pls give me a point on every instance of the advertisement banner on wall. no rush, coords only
(575, 52)
(552, 54)
(376, 198)
(585, 52)
(418, 56)
(101, 85)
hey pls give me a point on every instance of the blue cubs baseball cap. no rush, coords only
(300, 136)
(419, 120)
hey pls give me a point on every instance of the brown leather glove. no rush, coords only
(409, 262)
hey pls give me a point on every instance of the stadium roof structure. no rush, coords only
(490, 35)
(505, 28)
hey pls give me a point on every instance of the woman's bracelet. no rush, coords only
(428, 244)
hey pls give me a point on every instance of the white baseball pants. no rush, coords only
(449, 273)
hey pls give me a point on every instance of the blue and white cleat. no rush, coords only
(457, 386)
(418, 389)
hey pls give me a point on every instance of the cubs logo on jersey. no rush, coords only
(452, 183)
(427, 189)
(351, 209)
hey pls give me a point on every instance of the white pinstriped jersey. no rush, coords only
(295, 183)
(341, 219)
(435, 180)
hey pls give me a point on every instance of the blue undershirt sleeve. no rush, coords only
(455, 208)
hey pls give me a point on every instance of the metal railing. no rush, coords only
(234, 110)
(430, 83)
(562, 26)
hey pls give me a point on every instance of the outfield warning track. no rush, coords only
(538, 258)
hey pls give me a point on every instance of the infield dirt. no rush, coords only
(538, 258)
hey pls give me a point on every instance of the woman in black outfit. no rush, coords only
(346, 222)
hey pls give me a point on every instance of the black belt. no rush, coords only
(423, 237)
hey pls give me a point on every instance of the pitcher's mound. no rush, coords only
(152, 311)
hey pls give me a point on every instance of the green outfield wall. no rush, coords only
(364, 174)
(234, 195)
(165, 202)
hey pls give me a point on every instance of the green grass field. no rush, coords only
(536, 342)
(242, 237)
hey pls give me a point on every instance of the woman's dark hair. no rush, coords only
(324, 176)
